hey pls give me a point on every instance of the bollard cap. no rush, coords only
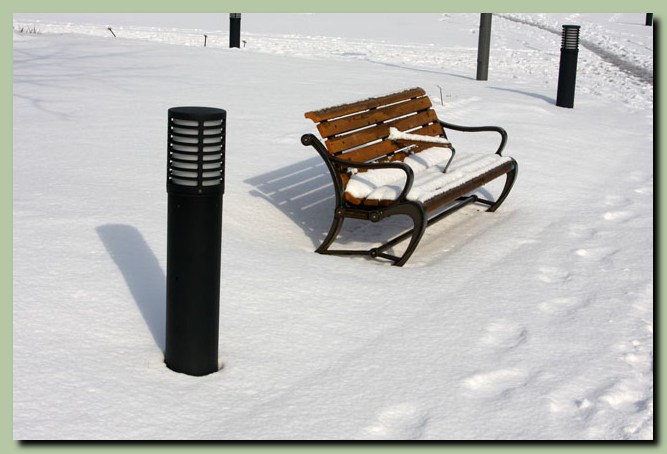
(196, 150)
(197, 113)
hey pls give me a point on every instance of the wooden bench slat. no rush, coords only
(372, 117)
(386, 147)
(366, 104)
(345, 142)
(433, 130)
(371, 152)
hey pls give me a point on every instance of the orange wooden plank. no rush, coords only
(370, 152)
(372, 117)
(366, 104)
(381, 131)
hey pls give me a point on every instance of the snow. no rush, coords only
(534, 322)
(395, 134)
(389, 182)
(429, 180)
(430, 157)
(432, 183)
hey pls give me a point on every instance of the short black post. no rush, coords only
(483, 46)
(234, 30)
(195, 185)
(649, 18)
(567, 72)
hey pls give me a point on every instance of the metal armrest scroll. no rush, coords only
(498, 129)
(340, 164)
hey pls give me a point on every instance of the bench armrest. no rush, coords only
(410, 176)
(498, 129)
(336, 164)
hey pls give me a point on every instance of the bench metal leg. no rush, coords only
(416, 212)
(509, 182)
(334, 230)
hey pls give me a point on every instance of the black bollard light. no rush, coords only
(567, 72)
(649, 19)
(195, 185)
(234, 30)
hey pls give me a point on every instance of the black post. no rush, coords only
(234, 30)
(567, 72)
(649, 18)
(195, 184)
(483, 46)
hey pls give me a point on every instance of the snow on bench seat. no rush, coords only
(364, 183)
(385, 185)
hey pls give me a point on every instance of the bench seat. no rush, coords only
(383, 186)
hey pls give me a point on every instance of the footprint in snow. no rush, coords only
(618, 216)
(596, 254)
(616, 200)
(398, 422)
(638, 355)
(627, 399)
(582, 231)
(563, 305)
(553, 275)
(504, 335)
(629, 395)
(495, 383)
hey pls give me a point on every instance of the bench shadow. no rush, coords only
(302, 191)
(142, 273)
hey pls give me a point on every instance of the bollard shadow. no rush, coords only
(421, 70)
(303, 191)
(544, 98)
(142, 273)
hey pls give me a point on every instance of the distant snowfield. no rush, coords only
(535, 322)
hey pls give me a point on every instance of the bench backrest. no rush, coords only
(356, 131)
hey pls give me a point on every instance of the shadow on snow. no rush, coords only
(142, 273)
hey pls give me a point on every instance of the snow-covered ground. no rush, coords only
(535, 322)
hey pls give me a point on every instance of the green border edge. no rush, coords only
(8, 8)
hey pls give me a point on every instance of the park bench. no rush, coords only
(390, 155)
